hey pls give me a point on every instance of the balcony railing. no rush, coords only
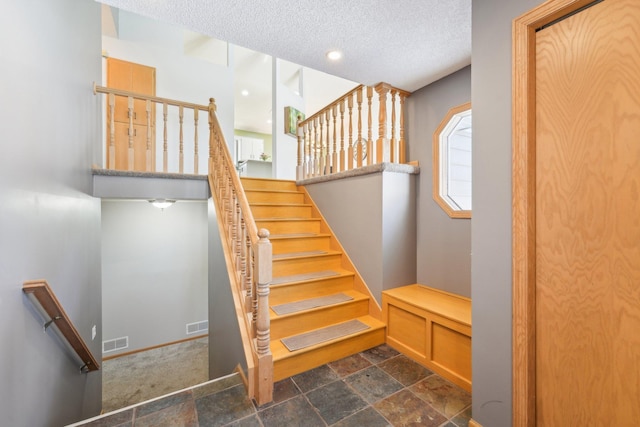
(129, 113)
(356, 130)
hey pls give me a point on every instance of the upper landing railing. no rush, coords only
(132, 134)
(356, 130)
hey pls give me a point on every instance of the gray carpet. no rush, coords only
(329, 333)
(294, 307)
(141, 376)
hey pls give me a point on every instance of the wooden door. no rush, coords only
(139, 79)
(585, 239)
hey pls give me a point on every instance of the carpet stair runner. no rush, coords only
(317, 313)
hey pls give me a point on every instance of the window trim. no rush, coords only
(442, 202)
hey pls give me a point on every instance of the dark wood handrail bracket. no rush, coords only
(43, 298)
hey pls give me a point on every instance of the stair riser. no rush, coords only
(281, 294)
(303, 361)
(289, 227)
(268, 184)
(300, 244)
(319, 318)
(274, 197)
(288, 267)
(286, 211)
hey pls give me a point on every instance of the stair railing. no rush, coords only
(42, 297)
(248, 255)
(343, 136)
(145, 107)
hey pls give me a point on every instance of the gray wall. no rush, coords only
(443, 243)
(154, 271)
(373, 216)
(49, 225)
(491, 232)
(225, 343)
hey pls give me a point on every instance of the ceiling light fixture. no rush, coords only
(162, 204)
(244, 92)
(334, 55)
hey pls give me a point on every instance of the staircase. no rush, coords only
(311, 269)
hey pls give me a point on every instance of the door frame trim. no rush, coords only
(523, 203)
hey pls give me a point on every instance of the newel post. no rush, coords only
(382, 149)
(212, 113)
(263, 265)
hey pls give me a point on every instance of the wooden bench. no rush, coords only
(432, 327)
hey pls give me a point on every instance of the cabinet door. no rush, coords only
(140, 79)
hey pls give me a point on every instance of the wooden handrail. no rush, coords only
(119, 92)
(248, 257)
(51, 307)
(322, 150)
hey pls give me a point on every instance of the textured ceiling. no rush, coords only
(407, 43)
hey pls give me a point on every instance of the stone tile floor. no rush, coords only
(378, 387)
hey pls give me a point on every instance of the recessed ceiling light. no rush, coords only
(334, 55)
(244, 92)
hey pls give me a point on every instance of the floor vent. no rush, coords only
(194, 328)
(115, 344)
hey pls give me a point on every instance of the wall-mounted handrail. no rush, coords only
(150, 102)
(42, 296)
(357, 129)
(248, 256)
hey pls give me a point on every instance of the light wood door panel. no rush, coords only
(139, 79)
(588, 217)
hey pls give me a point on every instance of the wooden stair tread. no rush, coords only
(281, 352)
(304, 277)
(307, 254)
(282, 236)
(354, 295)
(312, 219)
(262, 190)
(280, 205)
(298, 254)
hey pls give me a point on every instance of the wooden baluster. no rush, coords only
(350, 149)
(401, 145)
(307, 150)
(300, 136)
(359, 142)
(112, 132)
(342, 153)
(370, 152)
(181, 119)
(165, 151)
(212, 112)
(196, 160)
(321, 153)
(328, 144)
(242, 237)
(334, 160)
(130, 153)
(148, 159)
(382, 150)
(316, 161)
(249, 282)
(394, 148)
(263, 278)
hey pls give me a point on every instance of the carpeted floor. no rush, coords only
(141, 376)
